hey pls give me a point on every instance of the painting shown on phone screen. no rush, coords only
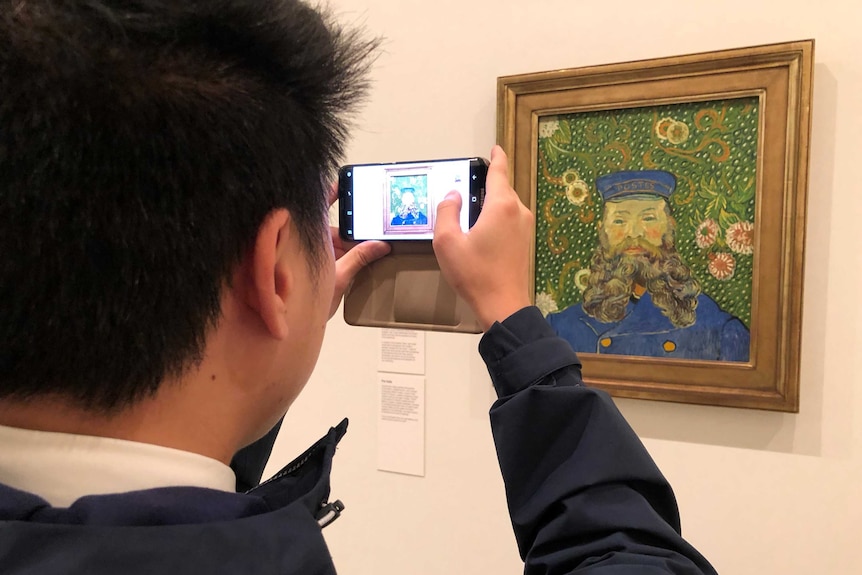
(645, 229)
(407, 202)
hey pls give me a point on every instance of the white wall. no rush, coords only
(759, 492)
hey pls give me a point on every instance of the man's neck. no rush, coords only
(638, 291)
(93, 465)
(155, 421)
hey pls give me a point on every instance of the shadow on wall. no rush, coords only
(800, 433)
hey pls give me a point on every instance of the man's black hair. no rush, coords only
(142, 144)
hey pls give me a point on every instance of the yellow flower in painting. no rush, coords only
(677, 133)
(569, 177)
(662, 126)
(582, 279)
(577, 192)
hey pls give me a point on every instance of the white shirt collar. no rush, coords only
(62, 467)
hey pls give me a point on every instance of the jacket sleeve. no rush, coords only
(584, 495)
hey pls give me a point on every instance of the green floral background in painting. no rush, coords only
(711, 148)
(418, 182)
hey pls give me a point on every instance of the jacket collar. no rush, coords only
(274, 528)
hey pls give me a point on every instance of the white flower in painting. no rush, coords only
(546, 303)
(740, 238)
(547, 126)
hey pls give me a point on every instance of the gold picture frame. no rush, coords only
(688, 112)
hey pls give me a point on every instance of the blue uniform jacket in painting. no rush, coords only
(419, 219)
(584, 495)
(645, 331)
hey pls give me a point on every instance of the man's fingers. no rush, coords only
(348, 265)
(357, 258)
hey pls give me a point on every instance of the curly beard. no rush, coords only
(614, 273)
(412, 209)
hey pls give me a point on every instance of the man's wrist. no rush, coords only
(523, 349)
(491, 313)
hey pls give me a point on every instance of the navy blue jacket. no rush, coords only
(584, 495)
(273, 529)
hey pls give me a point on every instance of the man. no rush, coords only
(641, 298)
(166, 283)
(409, 213)
(167, 280)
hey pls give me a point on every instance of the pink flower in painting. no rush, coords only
(740, 237)
(706, 233)
(722, 265)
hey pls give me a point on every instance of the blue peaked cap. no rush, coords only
(636, 182)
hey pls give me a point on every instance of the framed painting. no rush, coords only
(407, 205)
(670, 201)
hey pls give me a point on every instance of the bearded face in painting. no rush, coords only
(636, 252)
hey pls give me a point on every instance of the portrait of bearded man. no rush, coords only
(409, 213)
(641, 298)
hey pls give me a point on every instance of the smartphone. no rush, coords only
(398, 201)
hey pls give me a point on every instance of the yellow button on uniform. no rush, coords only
(606, 342)
(669, 346)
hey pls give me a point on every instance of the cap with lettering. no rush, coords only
(618, 185)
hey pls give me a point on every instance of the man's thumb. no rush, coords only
(357, 258)
(448, 214)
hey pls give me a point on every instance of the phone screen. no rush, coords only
(399, 201)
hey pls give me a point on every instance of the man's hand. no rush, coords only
(350, 257)
(490, 265)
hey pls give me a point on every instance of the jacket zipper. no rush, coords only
(329, 512)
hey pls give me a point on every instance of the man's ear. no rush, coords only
(270, 276)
